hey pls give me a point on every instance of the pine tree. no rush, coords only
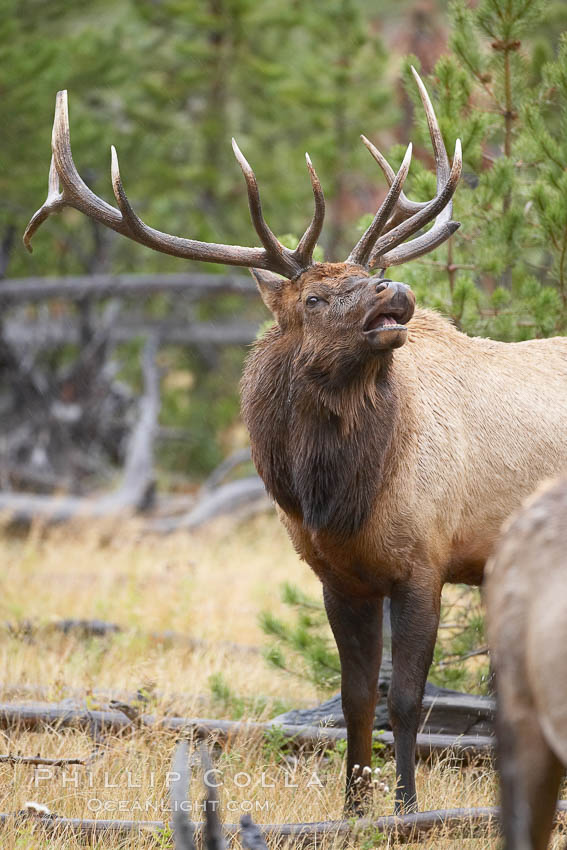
(545, 145)
(43, 48)
(500, 274)
(282, 78)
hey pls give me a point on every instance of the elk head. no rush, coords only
(338, 304)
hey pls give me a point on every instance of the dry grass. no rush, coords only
(210, 585)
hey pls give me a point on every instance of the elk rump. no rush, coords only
(526, 599)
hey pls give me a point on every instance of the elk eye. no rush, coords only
(312, 300)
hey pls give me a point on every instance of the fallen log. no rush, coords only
(39, 760)
(54, 333)
(42, 716)
(101, 628)
(443, 711)
(99, 286)
(34, 716)
(83, 628)
(465, 822)
(242, 499)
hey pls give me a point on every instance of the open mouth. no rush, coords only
(386, 330)
(377, 319)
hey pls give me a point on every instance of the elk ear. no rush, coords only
(271, 287)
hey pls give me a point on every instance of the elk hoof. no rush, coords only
(363, 782)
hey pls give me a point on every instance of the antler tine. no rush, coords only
(75, 193)
(363, 247)
(443, 227)
(441, 158)
(306, 245)
(439, 233)
(405, 206)
(282, 255)
(408, 216)
(135, 224)
(446, 177)
(383, 254)
(53, 202)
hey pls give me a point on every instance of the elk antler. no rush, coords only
(75, 193)
(398, 217)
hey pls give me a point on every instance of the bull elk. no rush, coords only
(527, 626)
(393, 445)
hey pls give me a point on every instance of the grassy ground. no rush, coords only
(211, 586)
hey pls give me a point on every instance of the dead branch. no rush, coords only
(213, 831)
(36, 760)
(131, 710)
(469, 822)
(462, 656)
(243, 495)
(218, 475)
(138, 476)
(69, 410)
(251, 835)
(35, 716)
(101, 628)
(137, 482)
(183, 828)
(21, 475)
(83, 628)
(99, 286)
(94, 340)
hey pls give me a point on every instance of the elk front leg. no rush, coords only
(415, 617)
(357, 627)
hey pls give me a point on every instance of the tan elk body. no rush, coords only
(453, 472)
(443, 437)
(526, 599)
(394, 445)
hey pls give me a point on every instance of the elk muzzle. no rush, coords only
(384, 325)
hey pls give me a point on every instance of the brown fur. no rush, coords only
(394, 470)
(527, 626)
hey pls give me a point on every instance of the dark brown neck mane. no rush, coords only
(320, 448)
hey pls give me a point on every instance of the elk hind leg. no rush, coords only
(530, 776)
(414, 614)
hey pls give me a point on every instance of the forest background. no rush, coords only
(170, 82)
